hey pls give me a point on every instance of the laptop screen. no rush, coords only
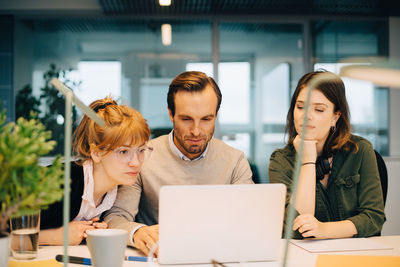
(227, 223)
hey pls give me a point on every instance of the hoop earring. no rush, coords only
(333, 128)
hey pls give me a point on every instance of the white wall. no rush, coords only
(392, 210)
(394, 54)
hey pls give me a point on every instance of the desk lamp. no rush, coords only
(70, 98)
(380, 73)
(314, 82)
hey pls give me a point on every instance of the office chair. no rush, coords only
(382, 174)
(256, 174)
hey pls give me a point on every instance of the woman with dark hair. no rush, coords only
(107, 156)
(339, 193)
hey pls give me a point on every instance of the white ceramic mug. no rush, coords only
(107, 247)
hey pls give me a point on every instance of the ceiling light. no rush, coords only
(164, 2)
(166, 34)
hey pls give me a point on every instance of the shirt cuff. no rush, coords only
(133, 232)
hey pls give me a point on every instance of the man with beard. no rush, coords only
(189, 155)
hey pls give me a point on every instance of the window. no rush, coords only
(153, 101)
(275, 86)
(234, 83)
(206, 67)
(99, 79)
(337, 40)
(368, 108)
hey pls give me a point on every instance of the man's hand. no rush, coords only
(309, 226)
(145, 238)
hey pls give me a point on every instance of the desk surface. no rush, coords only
(298, 257)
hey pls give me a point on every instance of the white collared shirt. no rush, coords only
(177, 152)
(88, 208)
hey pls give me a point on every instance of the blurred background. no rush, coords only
(256, 50)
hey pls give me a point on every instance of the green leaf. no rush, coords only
(25, 186)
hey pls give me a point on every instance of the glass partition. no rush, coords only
(259, 66)
(134, 48)
(369, 104)
(263, 62)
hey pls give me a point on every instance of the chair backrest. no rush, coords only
(256, 174)
(382, 174)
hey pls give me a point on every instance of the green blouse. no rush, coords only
(354, 190)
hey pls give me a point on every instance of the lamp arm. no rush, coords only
(85, 109)
(70, 99)
(322, 77)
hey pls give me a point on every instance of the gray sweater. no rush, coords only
(138, 204)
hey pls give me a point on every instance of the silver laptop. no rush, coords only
(226, 223)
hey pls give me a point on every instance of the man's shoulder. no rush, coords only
(159, 141)
(221, 147)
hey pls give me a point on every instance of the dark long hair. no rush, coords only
(334, 90)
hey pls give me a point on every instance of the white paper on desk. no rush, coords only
(342, 244)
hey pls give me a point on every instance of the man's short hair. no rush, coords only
(191, 81)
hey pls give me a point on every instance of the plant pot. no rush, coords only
(4, 249)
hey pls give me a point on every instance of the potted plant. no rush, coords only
(50, 105)
(25, 186)
(26, 102)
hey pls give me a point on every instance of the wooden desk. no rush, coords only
(298, 257)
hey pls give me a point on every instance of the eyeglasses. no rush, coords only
(125, 154)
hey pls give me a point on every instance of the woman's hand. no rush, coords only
(99, 225)
(309, 149)
(55, 237)
(77, 231)
(309, 226)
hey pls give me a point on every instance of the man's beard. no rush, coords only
(193, 149)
